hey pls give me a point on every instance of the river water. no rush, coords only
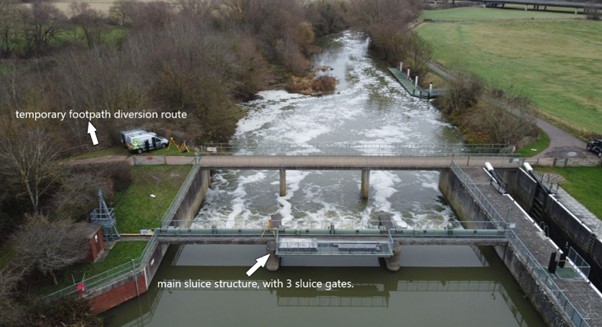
(436, 286)
(369, 109)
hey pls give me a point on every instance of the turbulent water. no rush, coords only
(368, 108)
(437, 286)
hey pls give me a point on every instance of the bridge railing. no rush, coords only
(354, 149)
(219, 226)
(531, 263)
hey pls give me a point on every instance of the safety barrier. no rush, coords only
(354, 149)
(523, 253)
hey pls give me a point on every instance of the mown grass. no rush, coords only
(531, 149)
(473, 13)
(119, 150)
(583, 183)
(116, 150)
(122, 252)
(556, 64)
(135, 208)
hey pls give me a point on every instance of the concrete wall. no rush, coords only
(193, 199)
(564, 227)
(458, 197)
(543, 302)
(520, 185)
(467, 209)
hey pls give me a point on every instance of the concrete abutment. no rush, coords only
(468, 209)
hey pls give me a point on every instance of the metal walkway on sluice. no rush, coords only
(334, 242)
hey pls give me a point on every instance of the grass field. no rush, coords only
(121, 253)
(474, 13)
(556, 64)
(135, 208)
(583, 183)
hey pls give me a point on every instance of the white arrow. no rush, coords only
(260, 263)
(92, 132)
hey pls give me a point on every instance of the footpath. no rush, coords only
(562, 143)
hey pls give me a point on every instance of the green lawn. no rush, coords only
(556, 64)
(110, 35)
(474, 13)
(582, 183)
(135, 208)
(529, 150)
(121, 253)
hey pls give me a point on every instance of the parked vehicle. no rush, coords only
(126, 135)
(595, 146)
(145, 142)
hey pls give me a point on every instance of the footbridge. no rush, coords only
(363, 157)
(585, 6)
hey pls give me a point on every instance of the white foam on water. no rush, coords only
(369, 108)
(293, 181)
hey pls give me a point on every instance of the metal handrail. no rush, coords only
(175, 204)
(533, 266)
(353, 149)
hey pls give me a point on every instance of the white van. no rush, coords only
(145, 142)
(126, 135)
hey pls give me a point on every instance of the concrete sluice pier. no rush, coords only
(560, 301)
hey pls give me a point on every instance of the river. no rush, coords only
(436, 286)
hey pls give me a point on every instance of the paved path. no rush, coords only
(562, 144)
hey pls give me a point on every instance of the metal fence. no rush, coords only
(564, 162)
(579, 262)
(523, 253)
(175, 204)
(353, 149)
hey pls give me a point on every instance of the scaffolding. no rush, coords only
(106, 218)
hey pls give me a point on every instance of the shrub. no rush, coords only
(324, 84)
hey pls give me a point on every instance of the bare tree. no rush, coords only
(41, 23)
(8, 26)
(386, 22)
(416, 51)
(122, 12)
(28, 161)
(48, 246)
(89, 20)
(78, 196)
(327, 16)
